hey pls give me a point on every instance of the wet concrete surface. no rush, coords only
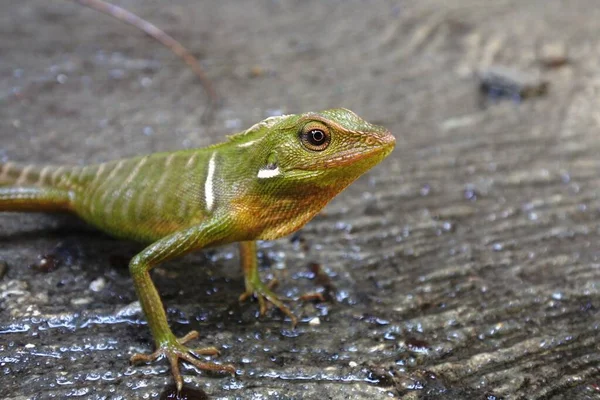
(466, 265)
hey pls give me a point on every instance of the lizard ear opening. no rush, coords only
(272, 161)
(271, 169)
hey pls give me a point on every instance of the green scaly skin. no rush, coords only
(261, 184)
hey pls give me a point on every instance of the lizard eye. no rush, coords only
(315, 136)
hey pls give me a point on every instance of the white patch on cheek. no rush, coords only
(208, 185)
(268, 173)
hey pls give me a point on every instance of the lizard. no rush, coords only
(260, 184)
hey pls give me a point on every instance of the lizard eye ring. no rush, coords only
(315, 136)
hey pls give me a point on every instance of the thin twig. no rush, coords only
(152, 30)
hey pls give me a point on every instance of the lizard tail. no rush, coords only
(26, 187)
(16, 174)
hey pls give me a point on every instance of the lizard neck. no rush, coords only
(271, 215)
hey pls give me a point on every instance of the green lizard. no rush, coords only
(261, 184)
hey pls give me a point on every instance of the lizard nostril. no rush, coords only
(388, 138)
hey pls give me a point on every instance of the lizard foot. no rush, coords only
(174, 350)
(265, 295)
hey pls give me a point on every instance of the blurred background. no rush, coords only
(466, 265)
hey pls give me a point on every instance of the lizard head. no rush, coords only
(300, 162)
(330, 148)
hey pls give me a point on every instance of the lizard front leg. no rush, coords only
(167, 345)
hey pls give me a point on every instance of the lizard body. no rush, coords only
(263, 183)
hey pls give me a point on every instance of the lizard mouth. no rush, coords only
(381, 147)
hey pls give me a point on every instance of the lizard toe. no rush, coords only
(175, 350)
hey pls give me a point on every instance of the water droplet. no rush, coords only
(92, 376)
(146, 81)
(557, 296)
(98, 284)
(447, 226)
(470, 194)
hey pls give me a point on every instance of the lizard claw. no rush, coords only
(174, 350)
(265, 295)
